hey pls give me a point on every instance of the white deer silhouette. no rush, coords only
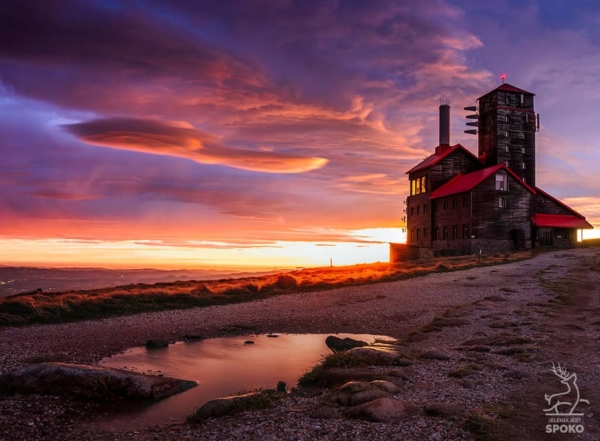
(569, 380)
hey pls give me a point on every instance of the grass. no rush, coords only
(335, 360)
(51, 307)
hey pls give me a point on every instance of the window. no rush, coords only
(445, 205)
(523, 165)
(524, 180)
(522, 99)
(507, 163)
(505, 133)
(418, 233)
(527, 117)
(418, 209)
(425, 209)
(435, 206)
(507, 148)
(501, 202)
(418, 186)
(454, 231)
(501, 182)
(436, 232)
(412, 211)
(465, 231)
(523, 150)
(425, 233)
(465, 201)
(445, 236)
(454, 204)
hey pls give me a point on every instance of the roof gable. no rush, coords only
(505, 87)
(562, 204)
(462, 183)
(435, 158)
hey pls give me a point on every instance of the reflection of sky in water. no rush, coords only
(221, 366)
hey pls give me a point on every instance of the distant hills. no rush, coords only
(16, 280)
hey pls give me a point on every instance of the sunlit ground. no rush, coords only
(368, 245)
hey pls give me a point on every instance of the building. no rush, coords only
(460, 203)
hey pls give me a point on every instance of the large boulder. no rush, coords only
(337, 344)
(230, 405)
(384, 410)
(90, 382)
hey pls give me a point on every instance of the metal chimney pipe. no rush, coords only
(444, 124)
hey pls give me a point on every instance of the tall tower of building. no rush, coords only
(507, 126)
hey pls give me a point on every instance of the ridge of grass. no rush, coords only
(51, 307)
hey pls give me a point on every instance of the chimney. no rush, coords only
(444, 124)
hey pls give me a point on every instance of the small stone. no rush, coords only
(248, 342)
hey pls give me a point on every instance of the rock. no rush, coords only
(374, 356)
(272, 335)
(281, 386)
(192, 337)
(436, 355)
(90, 382)
(444, 409)
(248, 342)
(353, 387)
(337, 344)
(286, 282)
(367, 395)
(156, 344)
(385, 386)
(384, 410)
(231, 405)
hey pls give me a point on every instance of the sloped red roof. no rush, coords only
(435, 158)
(562, 204)
(509, 88)
(560, 221)
(462, 183)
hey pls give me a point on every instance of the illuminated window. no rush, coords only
(501, 202)
(507, 163)
(523, 165)
(501, 182)
(523, 150)
(423, 184)
(413, 185)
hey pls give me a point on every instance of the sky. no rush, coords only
(271, 133)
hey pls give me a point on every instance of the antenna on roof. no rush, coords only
(502, 77)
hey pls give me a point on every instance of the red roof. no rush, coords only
(462, 183)
(560, 221)
(562, 204)
(509, 88)
(435, 158)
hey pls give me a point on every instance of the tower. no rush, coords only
(507, 126)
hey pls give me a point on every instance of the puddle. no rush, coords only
(221, 366)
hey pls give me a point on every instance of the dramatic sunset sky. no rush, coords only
(274, 133)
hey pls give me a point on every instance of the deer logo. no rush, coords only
(567, 408)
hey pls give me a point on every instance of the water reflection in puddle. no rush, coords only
(221, 366)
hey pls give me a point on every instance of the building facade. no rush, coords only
(460, 203)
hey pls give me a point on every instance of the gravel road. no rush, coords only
(393, 309)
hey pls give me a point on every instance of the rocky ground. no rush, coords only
(475, 350)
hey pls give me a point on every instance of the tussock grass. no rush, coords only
(335, 360)
(51, 307)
